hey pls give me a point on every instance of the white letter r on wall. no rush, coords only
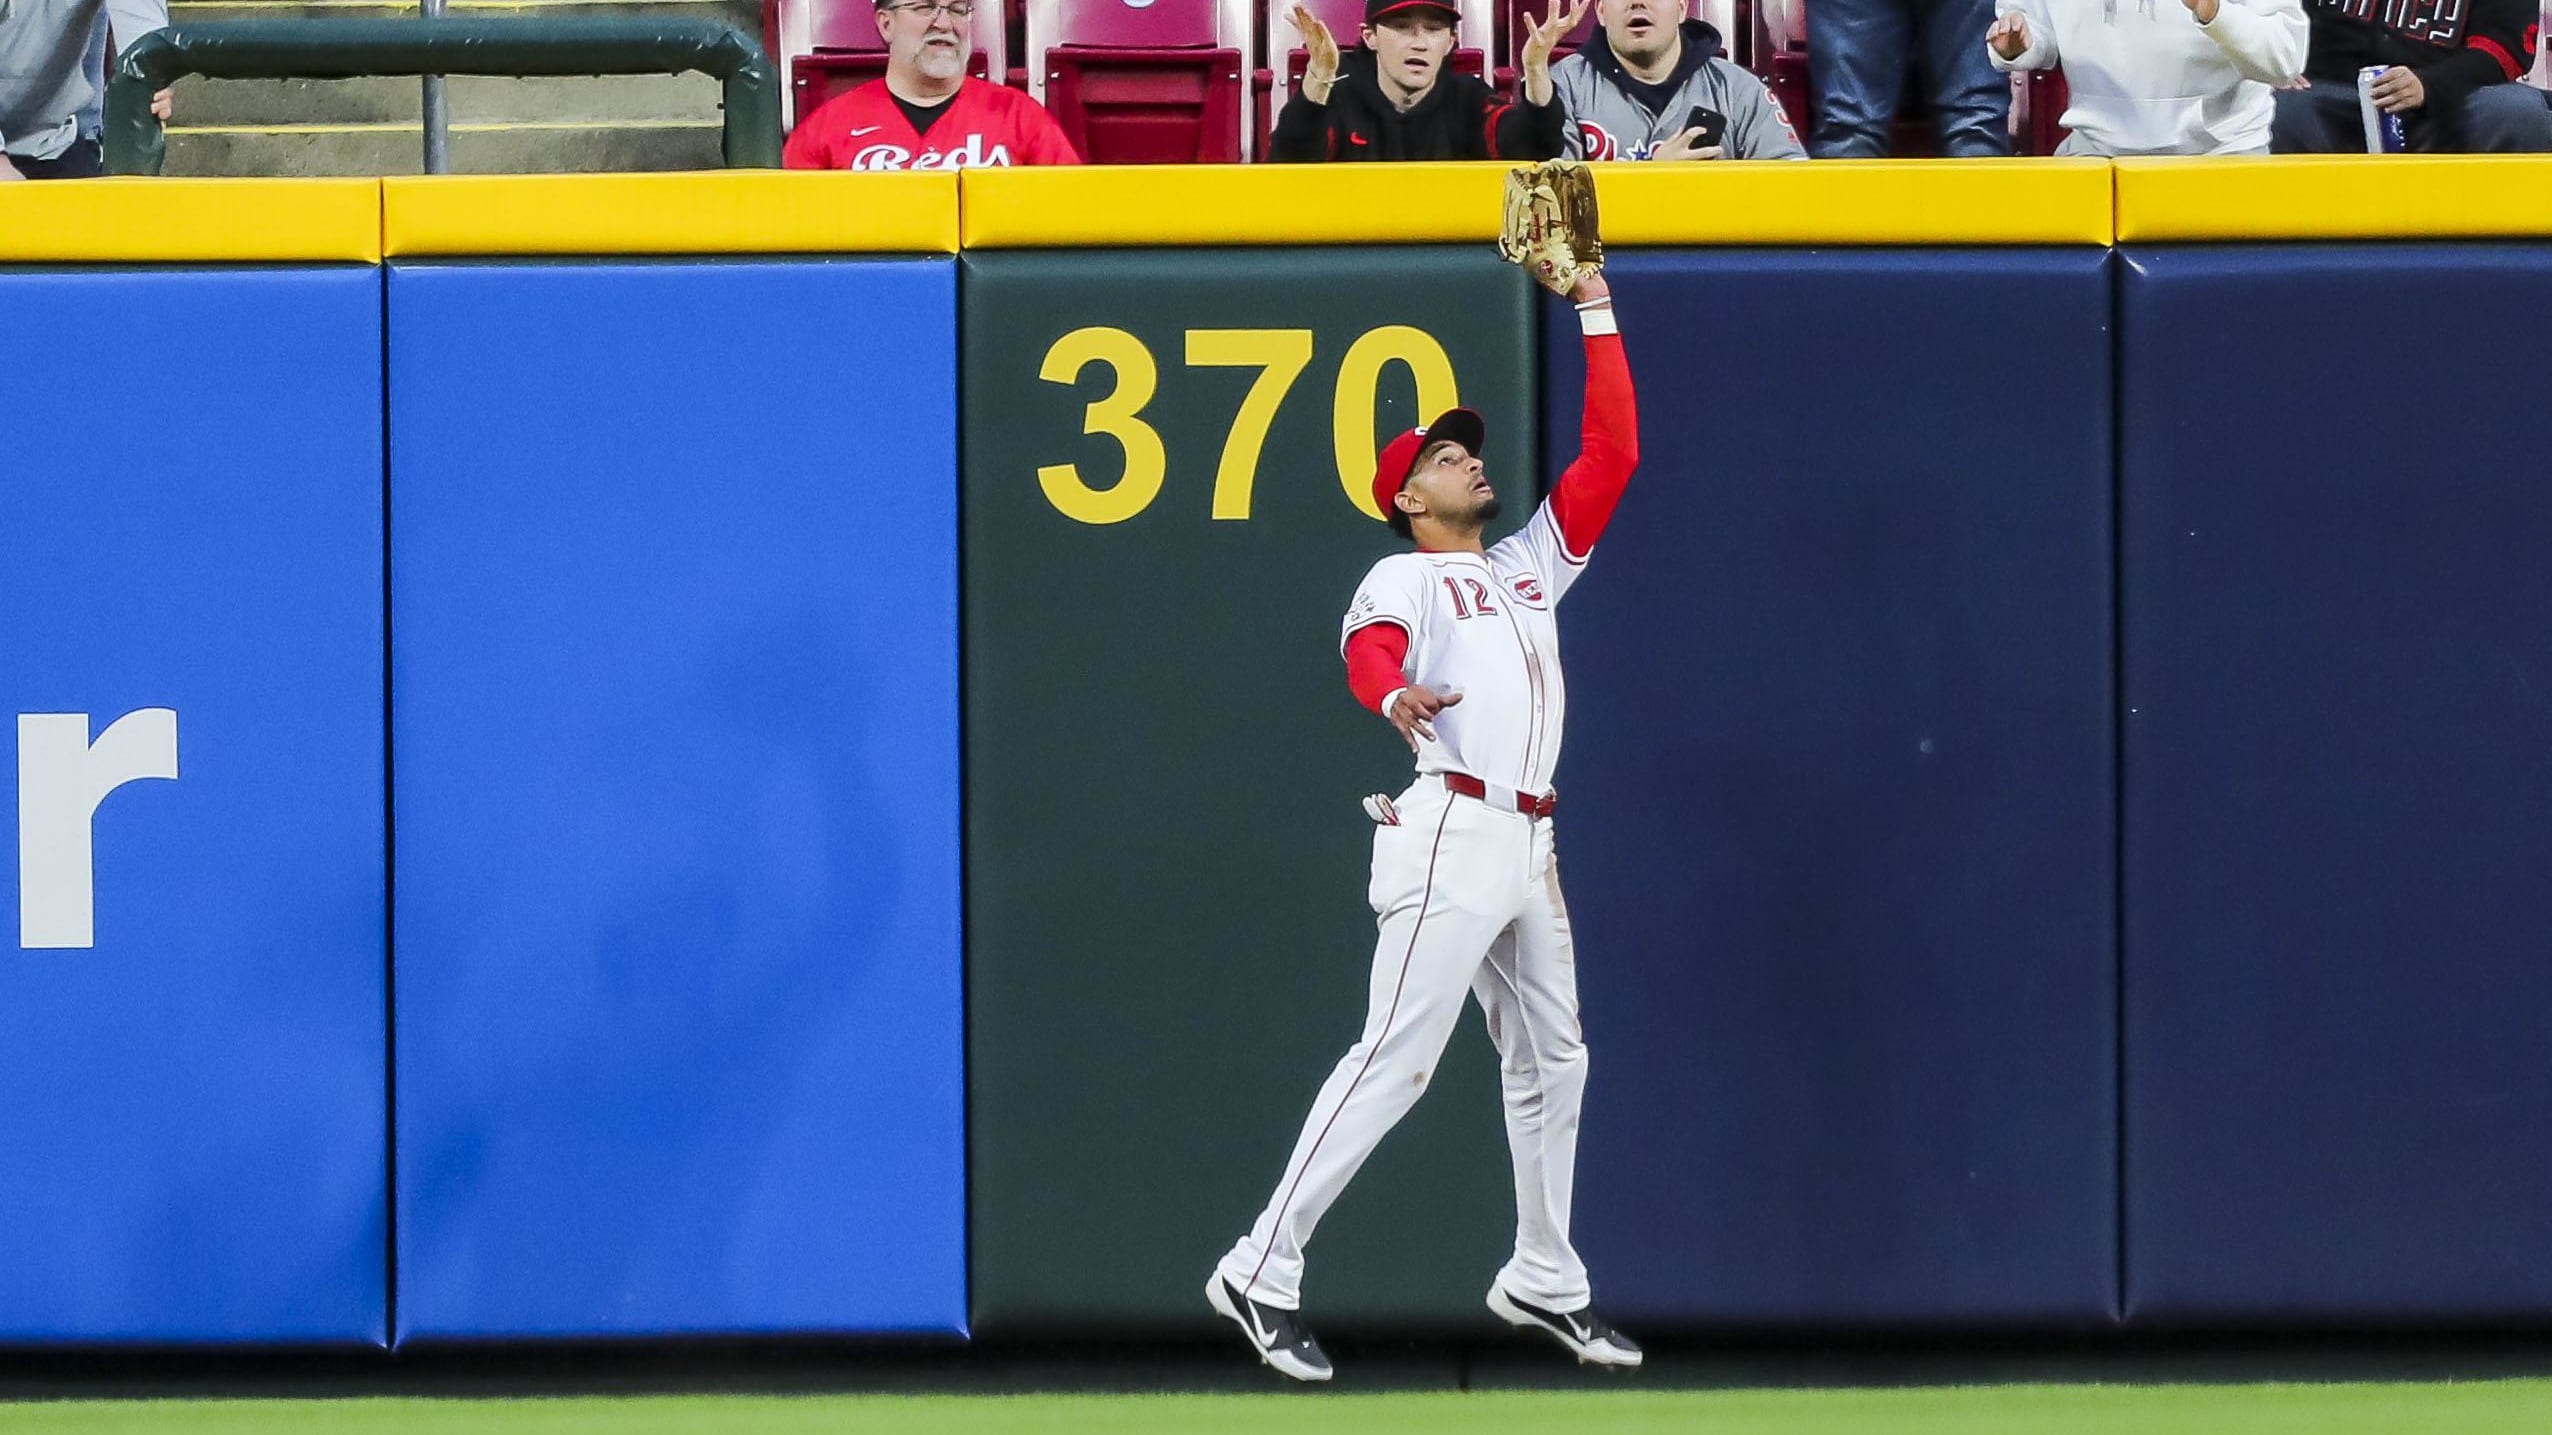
(62, 777)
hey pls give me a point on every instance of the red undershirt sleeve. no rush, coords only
(1582, 502)
(1376, 653)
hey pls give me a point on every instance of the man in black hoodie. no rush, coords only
(1391, 98)
(2455, 77)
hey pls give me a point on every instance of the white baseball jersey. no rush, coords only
(1485, 627)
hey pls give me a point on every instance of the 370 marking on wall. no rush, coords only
(1280, 356)
(62, 777)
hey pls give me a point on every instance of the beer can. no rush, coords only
(2384, 133)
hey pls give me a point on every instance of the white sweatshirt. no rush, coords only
(2147, 78)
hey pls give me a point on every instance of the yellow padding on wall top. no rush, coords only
(735, 211)
(1069, 207)
(1645, 205)
(2009, 201)
(2335, 197)
(190, 221)
(1825, 202)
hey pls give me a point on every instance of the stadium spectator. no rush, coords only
(1392, 98)
(52, 80)
(928, 113)
(1651, 84)
(2170, 77)
(2455, 77)
(1857, 51)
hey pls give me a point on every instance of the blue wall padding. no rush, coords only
(1836, 807)
(2337, 621)
(674, 700)
(192, 1132)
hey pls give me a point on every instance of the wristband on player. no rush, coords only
(1391, 697)
(1595, 316)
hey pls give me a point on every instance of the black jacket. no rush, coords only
(1461, 118)
(2457, 46)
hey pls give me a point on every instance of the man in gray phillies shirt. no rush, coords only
(46, 81)
(1633, 91)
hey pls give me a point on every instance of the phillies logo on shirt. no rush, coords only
(971, 154)
(1598, 142)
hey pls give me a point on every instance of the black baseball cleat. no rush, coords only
(1277, 1335)
(1588, 1336)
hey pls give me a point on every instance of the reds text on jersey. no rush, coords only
(984, 124)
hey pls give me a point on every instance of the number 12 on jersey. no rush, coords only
(1478, 603)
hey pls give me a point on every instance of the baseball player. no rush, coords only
(1455, 645)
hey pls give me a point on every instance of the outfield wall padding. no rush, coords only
(2337, 627)
(675, 710)
(1836, 805)
(192, 1072)
(748, 981)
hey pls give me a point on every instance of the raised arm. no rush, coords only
(1582, 502)
(1302, 126)
(2264, 39)
(2022, 37)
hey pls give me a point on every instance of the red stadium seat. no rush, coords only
(2038, 111)
(828, 46)
(1473, 37)
(1787, 77)
(1779, 30)
(1155, 82)
(1734, 20)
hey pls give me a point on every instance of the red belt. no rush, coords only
(1530, 806)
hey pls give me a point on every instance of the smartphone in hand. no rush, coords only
(1712, 124)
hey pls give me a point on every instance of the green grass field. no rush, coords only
(2474, 1408)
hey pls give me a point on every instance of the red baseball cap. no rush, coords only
(1399, 458)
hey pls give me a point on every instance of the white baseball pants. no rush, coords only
(1468, 899)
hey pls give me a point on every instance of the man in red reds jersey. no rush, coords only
(1455, 645)
(928, 113)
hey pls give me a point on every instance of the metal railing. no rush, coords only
(355, 49)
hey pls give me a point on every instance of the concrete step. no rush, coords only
(473, 99)
(517, 148)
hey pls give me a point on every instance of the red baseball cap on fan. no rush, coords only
(1399, 458)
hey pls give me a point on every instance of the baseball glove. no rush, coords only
(1550, 224)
